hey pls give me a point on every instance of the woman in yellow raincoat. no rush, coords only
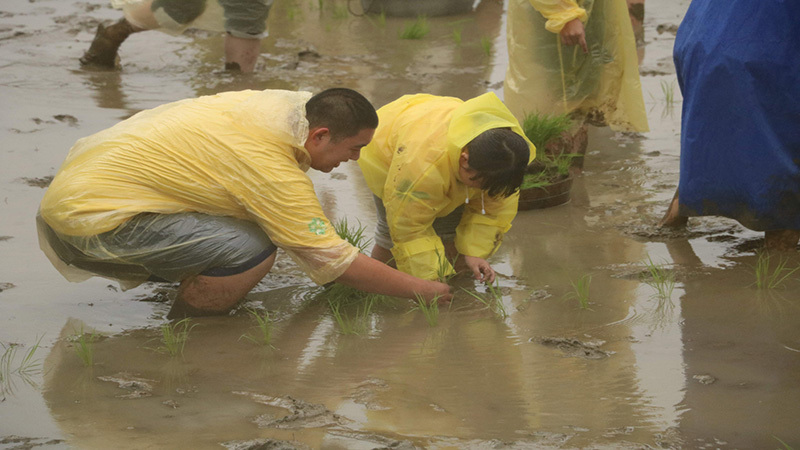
(576, 57)
(202, 191)
(444, 169)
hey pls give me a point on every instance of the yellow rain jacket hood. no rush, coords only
(412, 165)
(237, 154)
(544, 76)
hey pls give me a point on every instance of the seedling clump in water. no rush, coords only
(264, 325)
(581, 291)
(767, 278)
(174, 336)
(429, 310)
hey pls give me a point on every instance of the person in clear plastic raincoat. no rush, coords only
(243, 21)
(445, 174)
(576, 57)
(202, 191)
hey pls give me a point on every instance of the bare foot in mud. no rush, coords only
(672, 218)
(781, 240)
(103, 51)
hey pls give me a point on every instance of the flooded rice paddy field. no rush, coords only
(711, 363)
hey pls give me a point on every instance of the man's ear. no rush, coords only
(319, 134)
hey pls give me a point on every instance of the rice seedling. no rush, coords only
(660, 278)
(379, 20)
(668, 89)
(83, 343)
(768, 277)
(263, 325)
(784, 444)
(357, 323)
(456, 34)
(580, 291)
(24, 368)
(541, 128)
(486, 45)
(353, 234)
(499, 307)
(340, 12)
(293, 13)
(415, 30)
(444, 270)
(429, 310)
(495, 304)
(174, 336)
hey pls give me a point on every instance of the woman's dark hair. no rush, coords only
(499, 156)
(343, 111)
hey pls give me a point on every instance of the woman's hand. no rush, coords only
(573, 33)
(480, 268)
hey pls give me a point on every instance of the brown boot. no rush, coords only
(672, 218)
(103, 51)
(781, 240)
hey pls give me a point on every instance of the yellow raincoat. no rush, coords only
(412, 165)
(237, 154)
(544, 76)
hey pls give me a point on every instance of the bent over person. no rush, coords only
(203, 191)
(445, 174)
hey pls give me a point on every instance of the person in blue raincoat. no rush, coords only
(738, 67)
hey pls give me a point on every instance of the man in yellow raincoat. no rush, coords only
(202, 191)
(576, 57)
(445, 174)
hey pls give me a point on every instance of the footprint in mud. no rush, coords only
(264, 444)
(137, 387)
(40, 182)
(575, 348)
(301, 413)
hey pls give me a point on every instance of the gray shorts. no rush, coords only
(166, 247)
(445, 227)
(243, 18)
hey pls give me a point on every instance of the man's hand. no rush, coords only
(573, 33)
(480, 268)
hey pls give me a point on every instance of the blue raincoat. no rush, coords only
(738, 66)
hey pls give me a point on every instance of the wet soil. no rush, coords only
(712, 365)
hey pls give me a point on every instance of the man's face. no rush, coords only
(326, 154)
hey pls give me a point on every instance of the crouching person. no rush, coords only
(203, 191)
(445, 174)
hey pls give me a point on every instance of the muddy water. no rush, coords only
(714, 364)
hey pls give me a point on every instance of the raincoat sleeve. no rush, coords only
(413, 200)
(480, 234)
(280, 197)
(559, 12)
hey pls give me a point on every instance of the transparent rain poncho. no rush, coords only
(545, 76)
(412, 165)
(236, 154)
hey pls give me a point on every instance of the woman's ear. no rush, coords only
(463, 160)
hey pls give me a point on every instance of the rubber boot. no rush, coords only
(103, 51)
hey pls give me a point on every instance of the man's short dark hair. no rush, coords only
(500, 157)
(343, 111)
